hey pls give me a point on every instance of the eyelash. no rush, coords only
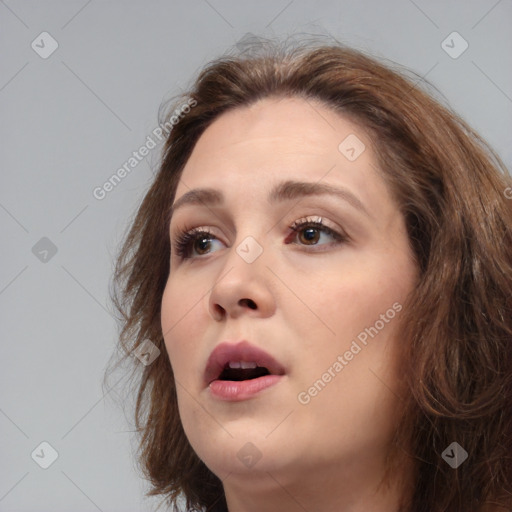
(184, 239)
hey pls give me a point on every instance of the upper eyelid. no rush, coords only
(317, 219)
(307, 219)
(316, 202)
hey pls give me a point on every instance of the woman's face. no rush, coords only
(324, 302)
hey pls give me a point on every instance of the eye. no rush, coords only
(309, 232)
(199, 239)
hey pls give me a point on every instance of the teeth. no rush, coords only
(242, 364)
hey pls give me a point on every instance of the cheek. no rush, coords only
(354, 404)
(181, 320)
(362, 311)
(379, 279)
(351, 303)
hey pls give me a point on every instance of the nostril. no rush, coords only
(218, 311)
(248, 302)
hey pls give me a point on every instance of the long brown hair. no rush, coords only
(451, 188)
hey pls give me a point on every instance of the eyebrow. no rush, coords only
(287, 190)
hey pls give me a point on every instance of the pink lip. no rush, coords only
(240, 390)
(234, 391)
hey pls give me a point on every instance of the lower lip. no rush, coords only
(234, 391)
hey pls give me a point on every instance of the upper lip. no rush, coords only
(240, 351)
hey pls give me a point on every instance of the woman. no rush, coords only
(324, 262)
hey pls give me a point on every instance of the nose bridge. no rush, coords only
(250, 249)
(243, 281)
(251, 234)
(246, 261)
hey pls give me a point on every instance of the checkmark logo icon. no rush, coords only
(454, 455)
(44, 455)
(44, 45)
(454, 45)
(249, 249)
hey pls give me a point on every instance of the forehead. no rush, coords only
(277, 139)
(301, 124)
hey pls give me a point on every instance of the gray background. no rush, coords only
(69, 121)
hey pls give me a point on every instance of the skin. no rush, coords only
(312, 299)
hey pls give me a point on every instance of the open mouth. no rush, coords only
(235, 380)
(242, 371)
(241, 366)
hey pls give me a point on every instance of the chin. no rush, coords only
(244, 453)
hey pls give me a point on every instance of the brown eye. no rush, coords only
(195, 241)
(202, 244)
(310, 235)
(309, 232)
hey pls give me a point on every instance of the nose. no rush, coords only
(242, 288)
